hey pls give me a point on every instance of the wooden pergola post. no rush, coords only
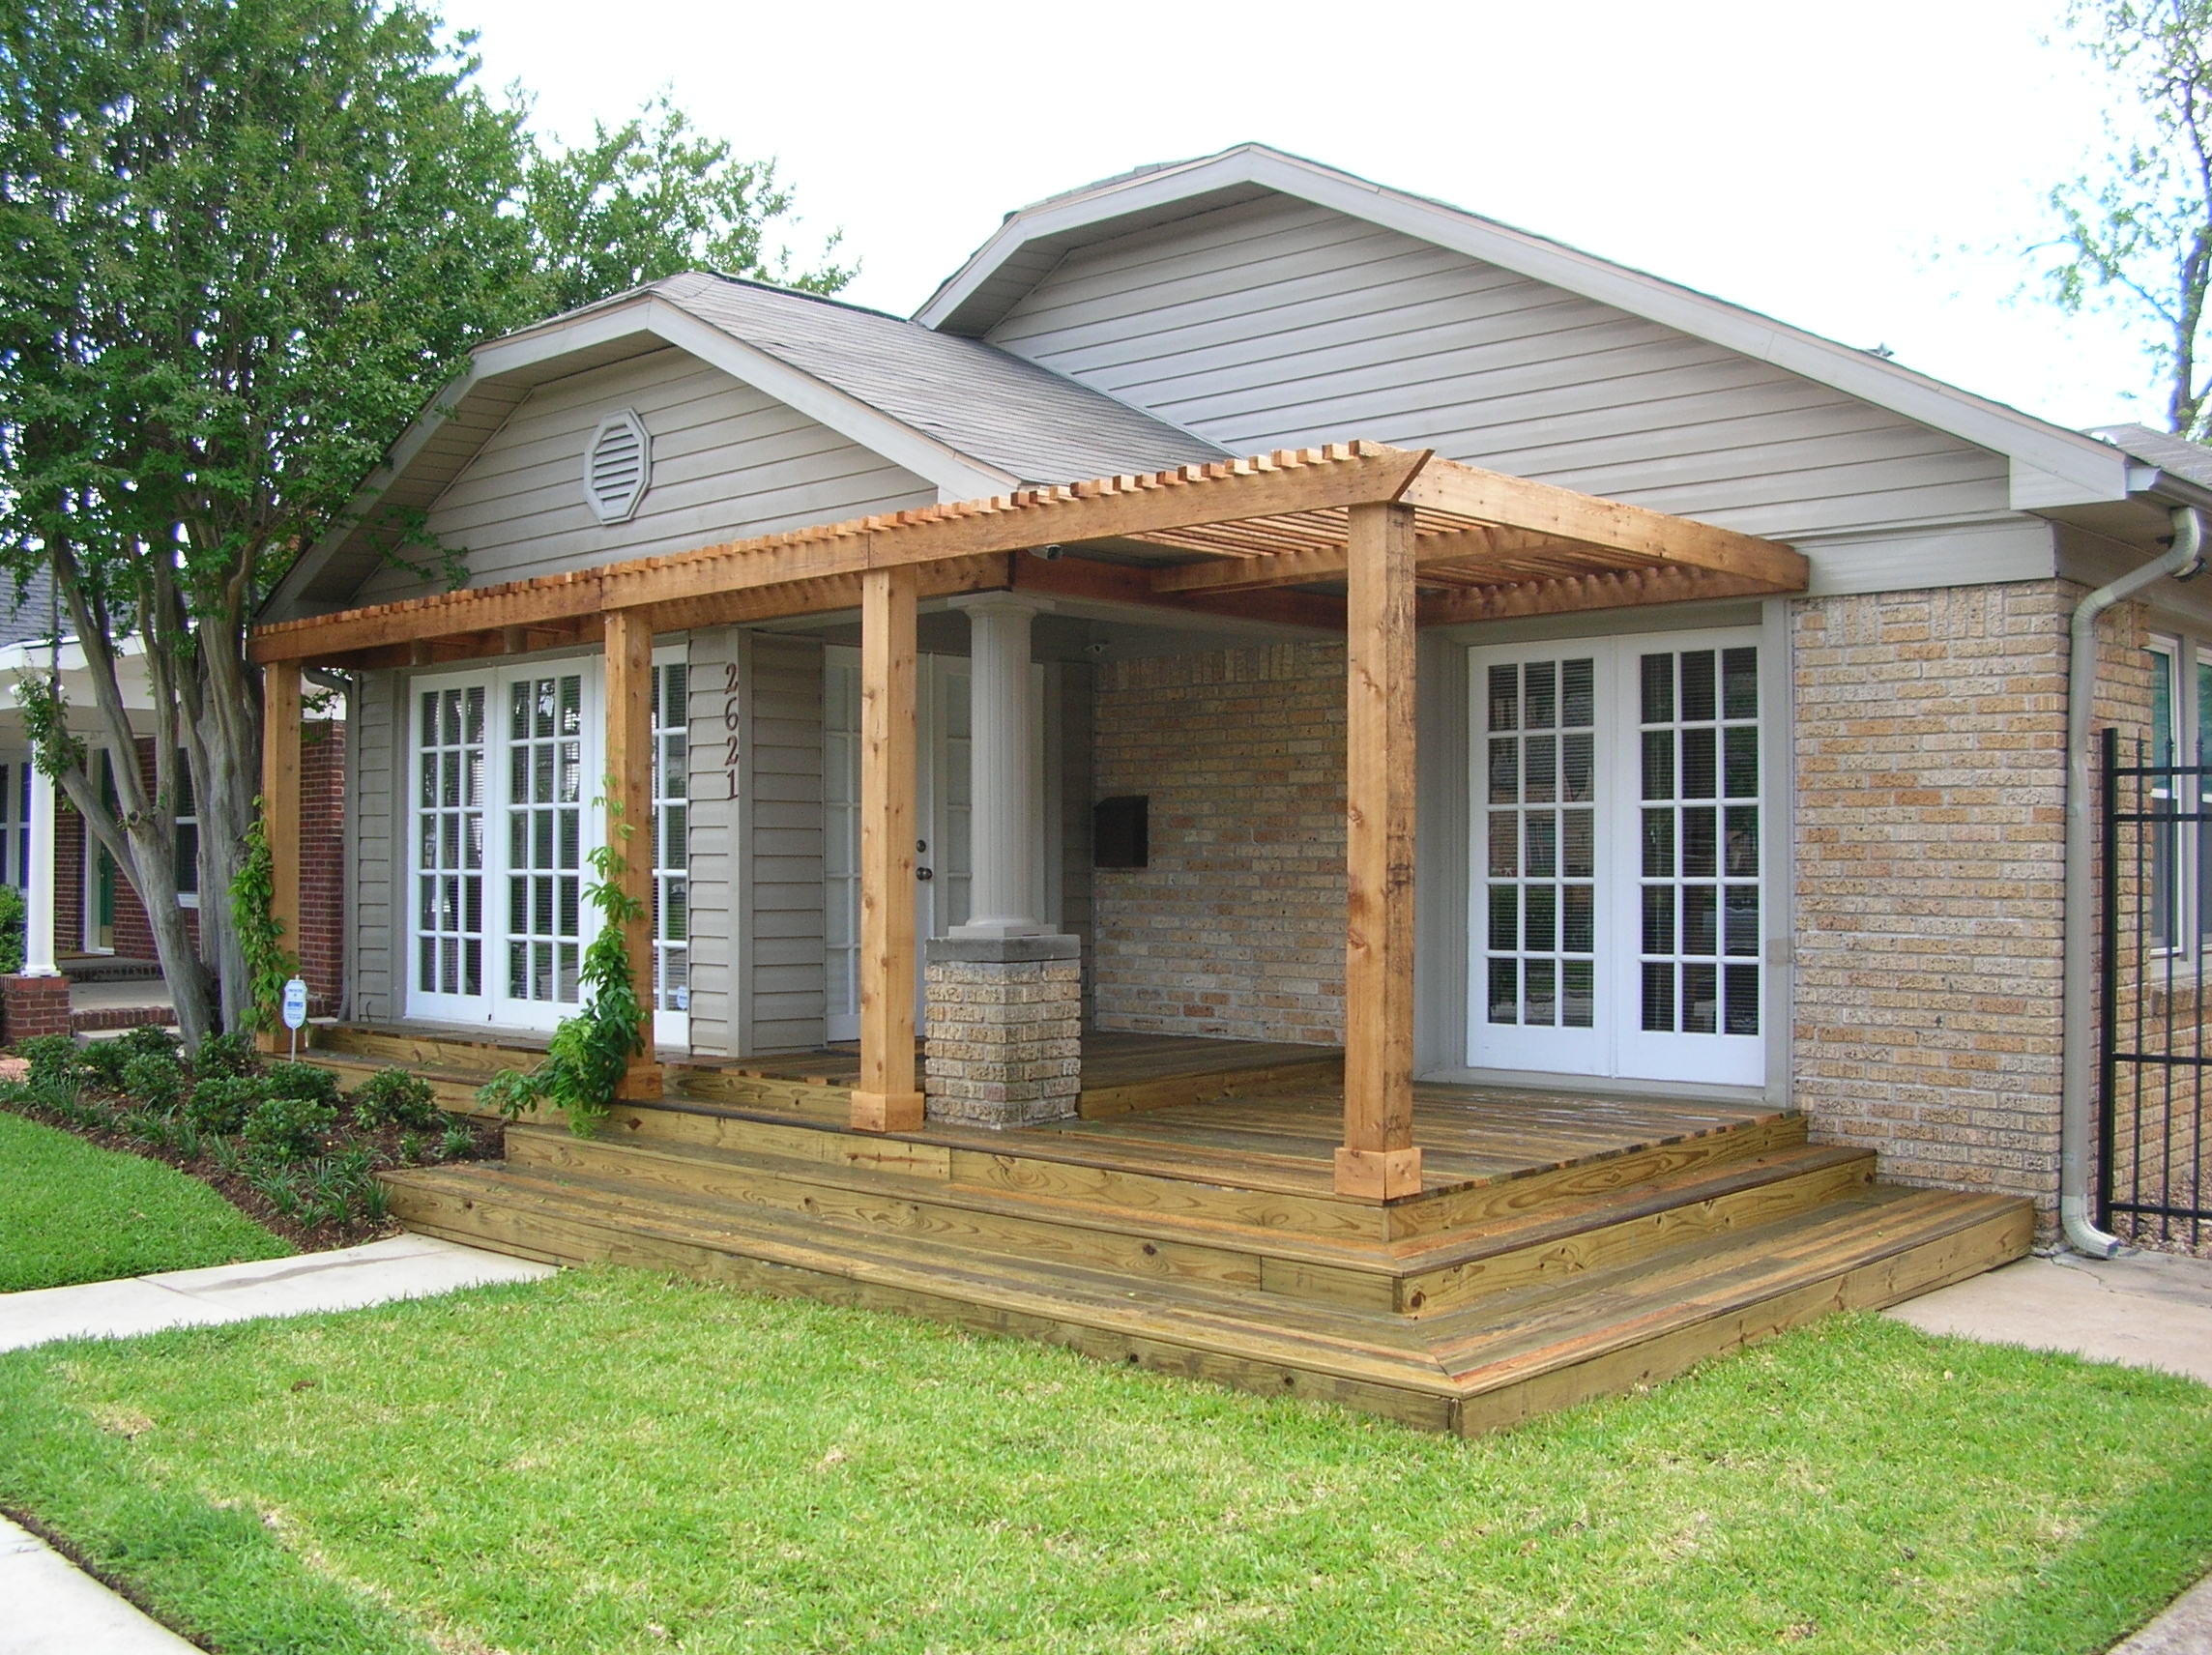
(888, 1098)
(281, 806)
(630, 815)
(1377, 1160)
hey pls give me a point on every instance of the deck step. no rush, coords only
(1423, 1277)
(1472, 1367)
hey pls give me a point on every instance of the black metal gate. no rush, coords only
(2154, 1016)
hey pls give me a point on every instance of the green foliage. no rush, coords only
(289, 1128)
(590, 1052)
(268, 964)
(154, 1081)
(226, 1054)
(54, 1060)
(149, 1040)
(652, 197)
(220, 1103)
(394, 1097)
(308, 1082)
(14, 915)
(2139, 235)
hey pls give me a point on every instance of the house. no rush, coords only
(89, 954)
(1436, 802)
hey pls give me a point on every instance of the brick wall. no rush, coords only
(1236, 928)
(1931, 810)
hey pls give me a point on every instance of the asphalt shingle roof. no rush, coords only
(975, 398)
(2160, 449)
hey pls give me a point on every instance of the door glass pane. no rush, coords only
(1701, 859)
(448, 818)
(545, 839)
(670, 838)
(1541, 837)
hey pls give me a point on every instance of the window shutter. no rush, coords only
(618, 467)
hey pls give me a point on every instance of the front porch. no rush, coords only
(1563, 1245)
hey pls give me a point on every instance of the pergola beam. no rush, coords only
(1329, 562)
(1612, 525)
(1570, 595)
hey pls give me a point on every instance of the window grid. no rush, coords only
(1698, 765)
(1541, 842)
(544, 821)
(671, 837)
(449, 827)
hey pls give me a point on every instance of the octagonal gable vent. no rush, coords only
(618, 467)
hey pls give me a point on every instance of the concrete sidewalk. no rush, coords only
(403, 1267)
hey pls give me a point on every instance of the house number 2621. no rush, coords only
(730, 723)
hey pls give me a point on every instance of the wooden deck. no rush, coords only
(1561, 1247)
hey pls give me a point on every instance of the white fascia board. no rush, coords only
(2051, 465)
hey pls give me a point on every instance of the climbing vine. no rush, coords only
(269, 965)
(590, 1052)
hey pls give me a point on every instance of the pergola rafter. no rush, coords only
(1398, 538)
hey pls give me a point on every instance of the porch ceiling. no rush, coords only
(1261, 539)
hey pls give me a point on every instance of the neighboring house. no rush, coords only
(1767, 812)
(87, 935)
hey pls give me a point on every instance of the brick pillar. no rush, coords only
(32, 1006)
(1004, 1045)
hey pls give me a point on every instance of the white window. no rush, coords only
(186, 849)
(2180, 901)
(1617, 859)
(16, 823)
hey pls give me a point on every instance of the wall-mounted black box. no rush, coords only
(1121, 831)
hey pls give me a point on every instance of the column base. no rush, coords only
(33, 1005)
(641, 1080)
(1378, 1175)
(1004, 1044)
(886, 1111)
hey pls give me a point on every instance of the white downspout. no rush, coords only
(2183, 560)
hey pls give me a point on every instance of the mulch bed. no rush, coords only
(488, 1137)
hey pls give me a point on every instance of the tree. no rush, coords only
(243, 241)
(2141, 236)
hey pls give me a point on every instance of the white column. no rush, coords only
(1006, 813)
(38, 898)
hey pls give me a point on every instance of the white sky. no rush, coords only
(1869, 171)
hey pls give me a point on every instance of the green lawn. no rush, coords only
(612, 1462)
(70, 1212)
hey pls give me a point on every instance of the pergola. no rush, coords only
(1410, 539)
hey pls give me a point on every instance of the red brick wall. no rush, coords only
(1236, 928)
(321, 943)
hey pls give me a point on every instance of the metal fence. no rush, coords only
(2155, 1044)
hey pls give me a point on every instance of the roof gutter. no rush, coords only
(2185, 558)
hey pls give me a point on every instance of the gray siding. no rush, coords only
(786, 962)
(373, 805)
(728, 461)
(717, 759)
(1277, 324)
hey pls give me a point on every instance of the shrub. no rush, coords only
(289, 1128)
(304, 1082)
(226, 1054)
(149, 1040)
(459, 1142)
(103, 1061)
(13, 915)
(394, 1097)
(154, 1081)
(220, 1103)
(55, 1060)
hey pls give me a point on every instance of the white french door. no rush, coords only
(943, 794)
(1617, 832)
(505, 813)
